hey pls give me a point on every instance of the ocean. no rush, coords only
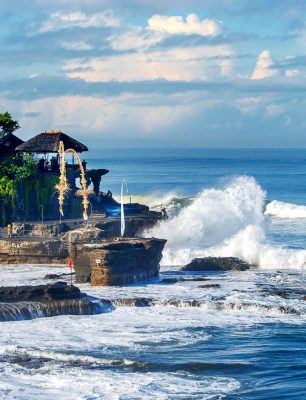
(242, 338)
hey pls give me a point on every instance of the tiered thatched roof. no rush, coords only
(48, 142)
(8, 143)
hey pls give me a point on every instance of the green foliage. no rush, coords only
(7, 199)
(45, 188)
(18, 167)
(37, 191)
(15, 170)
(7, 189)
(7, 124)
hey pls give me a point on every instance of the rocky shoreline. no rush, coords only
(50, 300)
(96, 259)
(209, 291)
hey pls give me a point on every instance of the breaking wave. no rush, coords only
(285, 210)
(224, 222)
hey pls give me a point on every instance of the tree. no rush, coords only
(7, 124)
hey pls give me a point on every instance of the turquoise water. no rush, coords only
(245, 339)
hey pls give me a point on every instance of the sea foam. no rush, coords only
(225, 221)
(285, 210)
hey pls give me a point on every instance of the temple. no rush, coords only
(48, 219)
(36, 198)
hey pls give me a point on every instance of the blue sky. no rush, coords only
(197, 73)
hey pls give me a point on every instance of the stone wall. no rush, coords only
(33, 251)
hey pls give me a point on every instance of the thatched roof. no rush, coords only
(48, 142)
(8, 143)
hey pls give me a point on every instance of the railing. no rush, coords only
(5, 235)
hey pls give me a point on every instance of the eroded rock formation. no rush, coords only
(118, 262)
(216, 264)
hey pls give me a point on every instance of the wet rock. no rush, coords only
(210, 286)
(26, 361)
(216, 264)
(182, 303)
(40, 293)
(133, 302)
(58, 276)
(171, 280)
(29, 310)
(176, 280)
(197, 279)
(285, 293)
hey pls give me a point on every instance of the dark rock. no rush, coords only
(210, 286)
(217, 264)
(176, 280)
(183, 303)
(133, 302)
(171, 280)
(40, 293)
(285, 293)
(197, 279)
(58, 276)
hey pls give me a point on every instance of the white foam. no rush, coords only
(171, 201)
(285, 210)
(226, 221)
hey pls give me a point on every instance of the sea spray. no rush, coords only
(226, 221)
(279, 209)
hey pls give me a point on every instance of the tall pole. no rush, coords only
(122, 218)
(42, 213)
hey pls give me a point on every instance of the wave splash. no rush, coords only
(279, 209)
(224, 222)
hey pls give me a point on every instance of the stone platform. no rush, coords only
(29, 250)
(119, 261)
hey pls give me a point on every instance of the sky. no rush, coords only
(157, 73)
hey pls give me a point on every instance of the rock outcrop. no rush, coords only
(33, 251)
(118, 262)
(54, 291)
(28, 302)
(83, 235)
(216, 264)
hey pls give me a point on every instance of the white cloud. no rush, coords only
(77, 46)
(249, 105)
(265, 66)
(185, 64)
(138, 116)
(159, 27)
(178, 25)
(136, 38)
(188, 62)
(274, 110)
(180, 62)
(59, 20)
(292, 73)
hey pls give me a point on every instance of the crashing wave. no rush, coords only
(225, 222)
